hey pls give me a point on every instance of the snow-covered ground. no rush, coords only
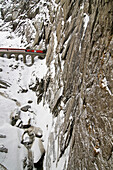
(8, 39)
(17, 76)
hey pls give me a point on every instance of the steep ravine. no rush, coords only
(78, 84)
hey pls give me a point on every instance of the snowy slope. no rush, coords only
(17, 77)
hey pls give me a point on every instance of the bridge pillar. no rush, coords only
(32, 59)
(8, 56)
(16, 57)
(24, 58)
(1, 54)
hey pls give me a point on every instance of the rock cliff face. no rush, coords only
(81, 95)
(78, 36)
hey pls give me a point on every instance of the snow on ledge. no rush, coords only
(105, 85)
(86, 20)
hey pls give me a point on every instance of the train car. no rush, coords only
(22, 50)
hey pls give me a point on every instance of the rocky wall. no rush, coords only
(80, 91)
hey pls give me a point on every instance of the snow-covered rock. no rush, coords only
(37, 150)
(11, 147)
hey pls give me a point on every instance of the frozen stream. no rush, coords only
(15, 78)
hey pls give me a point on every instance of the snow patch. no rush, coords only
(69, 19)
(52, 65)
(18, 75)
(82, 6)
(54, 4)
(12, 142)
(105, 85)
(10, 40)
(44, 120)
(86, 20)
(37, 150)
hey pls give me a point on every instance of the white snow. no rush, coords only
(86, 20)
(16, 152)
(52, 68)
(62, 23)
(105, 85)
(52, 65)
(82, 6)
(26, 138)
(43, 14)
(69, 19)
(19, 76)
(97, 150)
(54, 4)
(10, 40)
(44, 121)
(55, 162)
(65, 44)
(37, 145)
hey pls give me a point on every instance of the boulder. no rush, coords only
(37, 150)
(8, 18)
(36, 130)
(3, 149)
(25, 108)
(1, 70)
(2, 167)
(27, 139)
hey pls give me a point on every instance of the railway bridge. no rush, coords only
(24, 52)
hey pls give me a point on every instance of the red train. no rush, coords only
(22, 50)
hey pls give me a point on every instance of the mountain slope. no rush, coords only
(78, 83)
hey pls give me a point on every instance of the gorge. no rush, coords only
(60, 108)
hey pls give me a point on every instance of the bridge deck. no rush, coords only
(23, 53)
(33, 53)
